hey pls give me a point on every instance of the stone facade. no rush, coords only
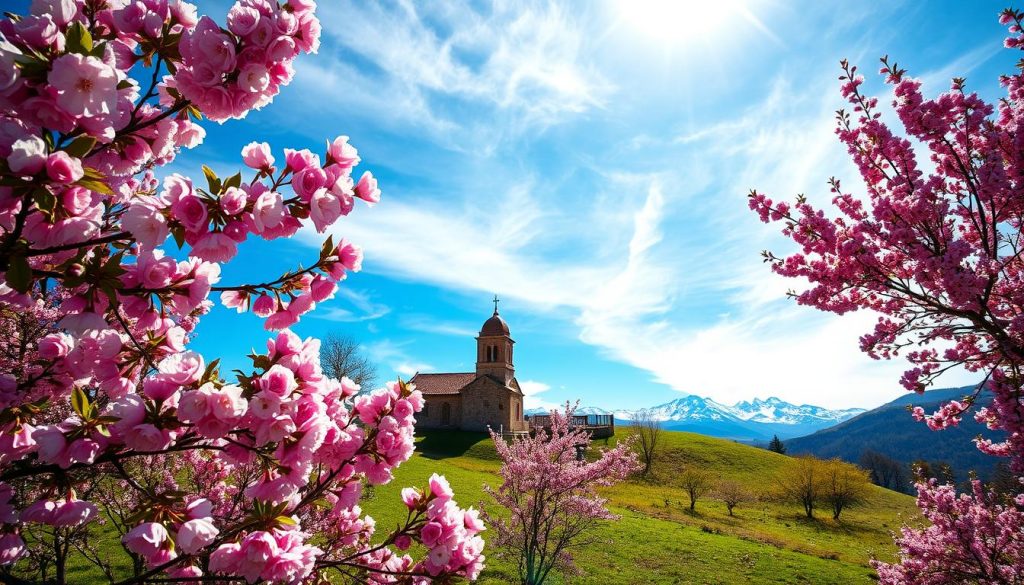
(490, 397)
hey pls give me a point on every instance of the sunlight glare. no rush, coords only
(678, 22)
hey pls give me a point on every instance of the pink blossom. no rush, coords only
(12, 548)
(242, 20)
(147, 539)
(366, 189)
(215, 247)
(191, 212)
(63, 168)
(72, 512)
(233, 201)
(195, 534)
(85, 85)
(146, 223)
(341, 153)
(324, 209)
(264, 305)
(308, 182)
(28, 155)
(298, 160)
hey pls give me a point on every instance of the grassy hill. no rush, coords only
(658, 540)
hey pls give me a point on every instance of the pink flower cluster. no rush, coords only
(276, 556)
(228, 72)
(972, 538)
(449, 533)
(938, 252)
(103, 397)
(542, 478)
(157, 545)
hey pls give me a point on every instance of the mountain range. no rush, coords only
(754, 421)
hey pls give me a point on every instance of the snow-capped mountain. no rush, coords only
(691, 408)
(774, 410)
(754, 420)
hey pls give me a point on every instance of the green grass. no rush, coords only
(766, 542)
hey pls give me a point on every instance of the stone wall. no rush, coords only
(431, 415)
(489, 404)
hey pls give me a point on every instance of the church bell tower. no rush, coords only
(494, 349)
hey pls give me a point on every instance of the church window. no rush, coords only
(426, 410)
(519, 416)
(446, 414)
(501, 406)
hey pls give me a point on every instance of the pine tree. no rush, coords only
(776, 445)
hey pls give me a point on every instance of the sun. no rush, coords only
(680, 22)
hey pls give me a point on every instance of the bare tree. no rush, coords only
(801, 481)
(648, 430)
(733, 493)
(341, 356)
(885, 471)
(696, 483)
(845, 485)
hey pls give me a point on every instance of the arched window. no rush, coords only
(519, 415)
(446, 414)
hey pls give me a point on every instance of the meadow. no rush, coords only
(658, 540)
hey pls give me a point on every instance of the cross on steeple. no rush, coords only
(496, 301)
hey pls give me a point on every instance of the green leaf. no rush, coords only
(78, 39)
(95, 181)
(212, 371)
(79, 401)
(19, 274)
(81, 146)
(211, 178)
(45, 201)
(234, 180)
(285, 521)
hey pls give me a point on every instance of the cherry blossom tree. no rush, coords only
(106, 415)
(936, 252)
(548, 492)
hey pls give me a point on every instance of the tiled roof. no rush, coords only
(442, 383)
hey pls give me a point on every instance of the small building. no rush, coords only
(490, 397)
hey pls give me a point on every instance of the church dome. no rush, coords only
(495, 326)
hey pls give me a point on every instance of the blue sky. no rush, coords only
(589, 163)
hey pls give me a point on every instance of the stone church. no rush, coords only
(474, 401)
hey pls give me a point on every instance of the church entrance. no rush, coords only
(446, 414)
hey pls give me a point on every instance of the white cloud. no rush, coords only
(394, 357)
(527, 64)
(360, 307)
(658, 266)
(531, 389)
(426, 324)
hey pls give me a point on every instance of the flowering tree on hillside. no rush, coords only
(939, 256)
(548, 491)
(105, 414)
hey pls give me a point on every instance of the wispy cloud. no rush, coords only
(394, 357)
(427, 324)
(525, 63)
(360, 307)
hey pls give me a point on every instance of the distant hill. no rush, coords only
(889, 429)
(751, 421)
